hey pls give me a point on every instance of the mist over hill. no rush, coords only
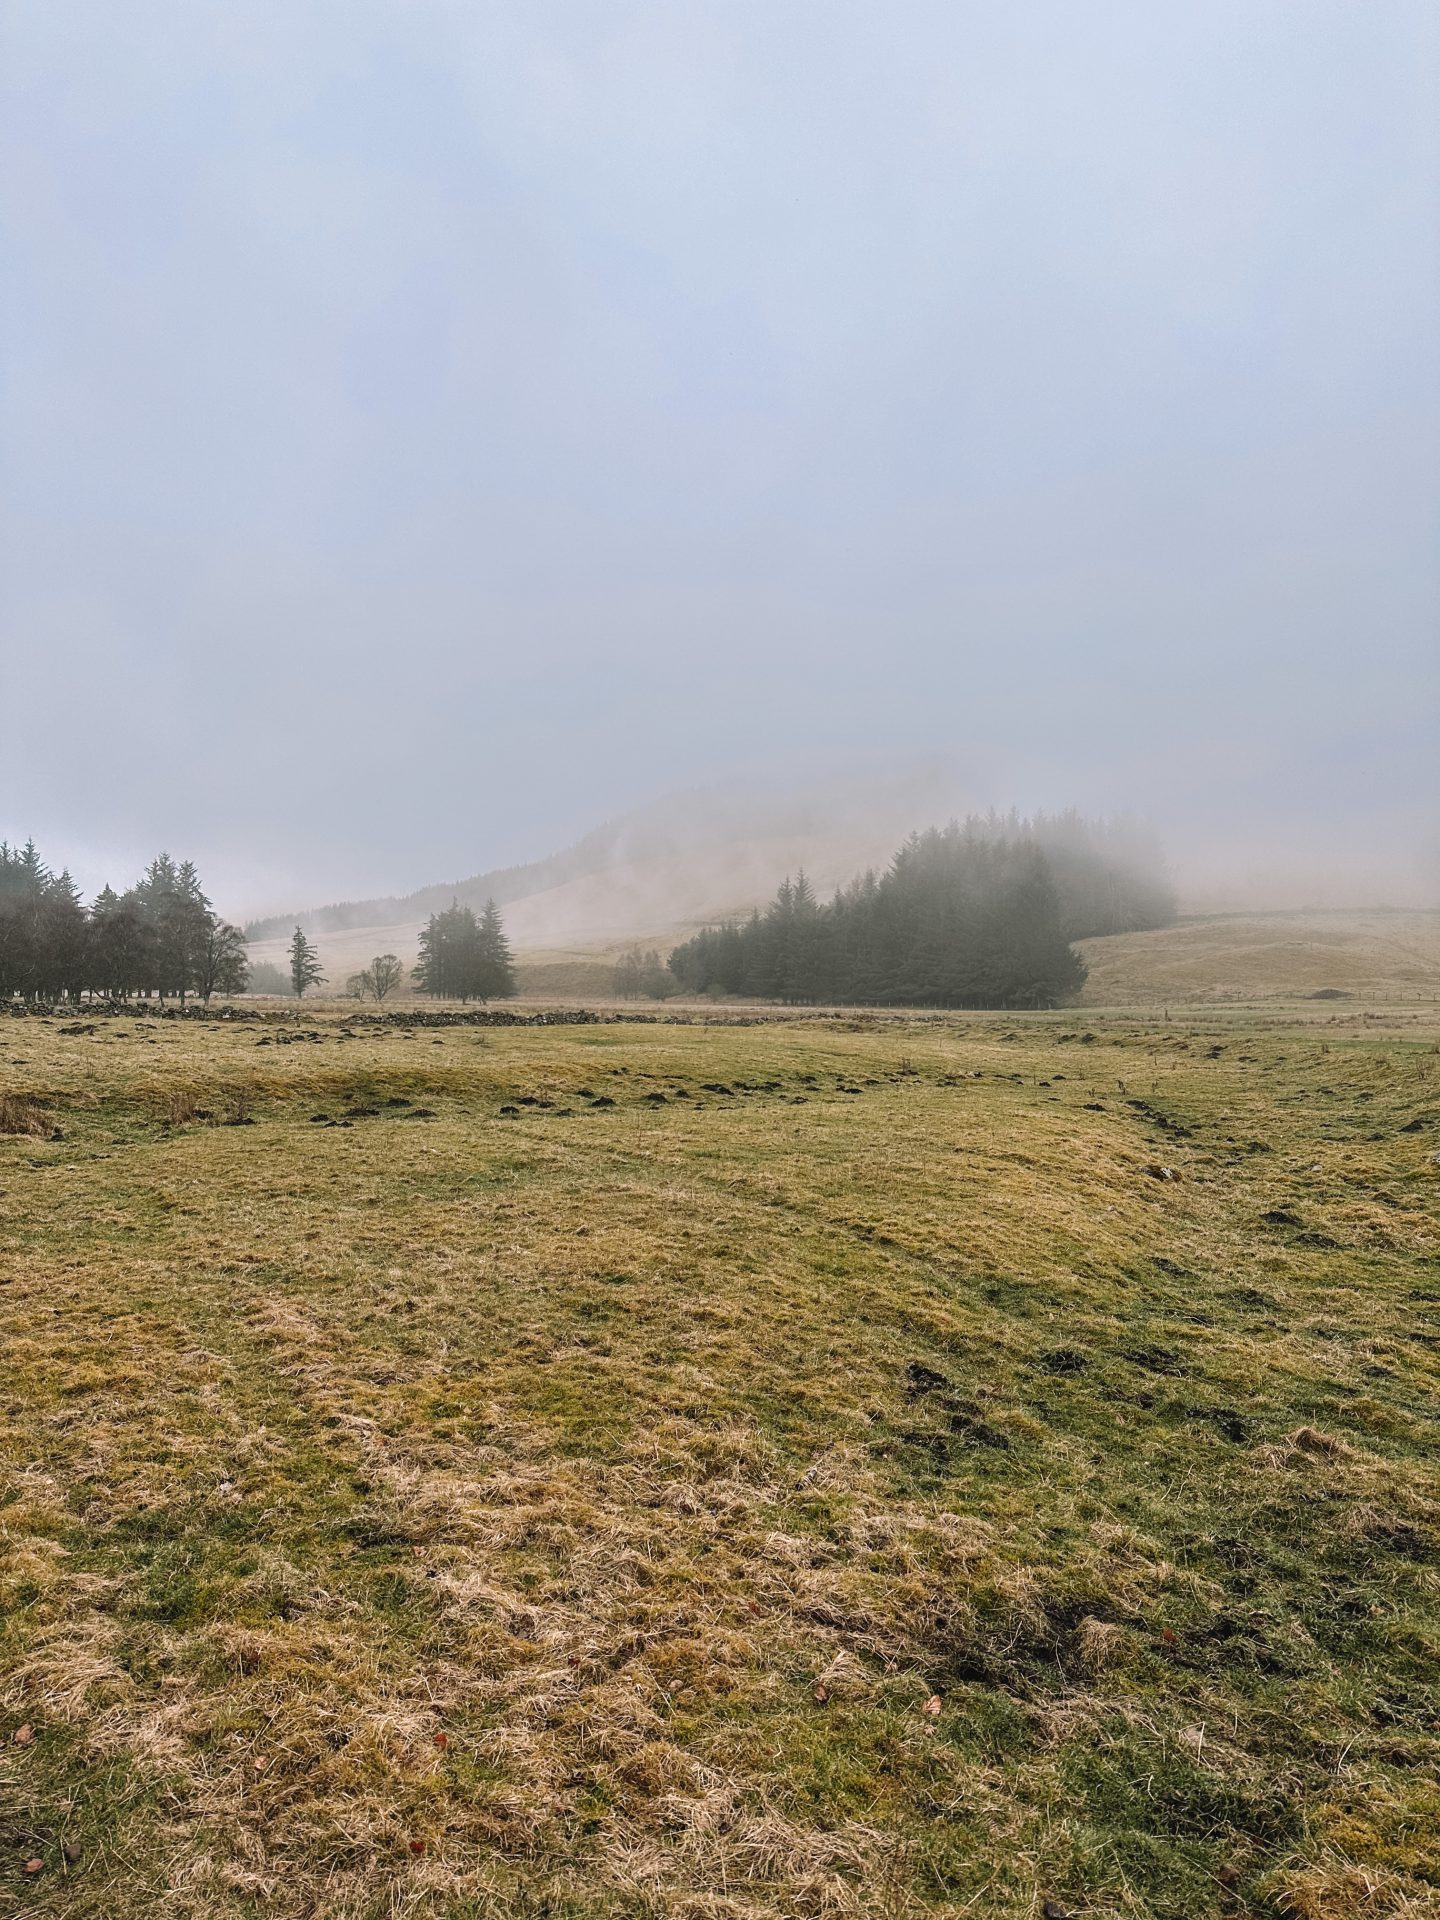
(664, 872)
(669, 865)
(659, 873)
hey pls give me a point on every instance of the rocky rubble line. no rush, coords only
(411, 1017)
(232, 1015)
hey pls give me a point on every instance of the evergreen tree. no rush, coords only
(24, 883)
(304, 964)
(104, 965)
(803, 972)
(495, 971)
(131, 946)
(263, 976)
(425, 974)
(449, 963)
(64, 937)
(192, 930)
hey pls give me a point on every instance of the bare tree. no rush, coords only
(220, 965)
(382, 977)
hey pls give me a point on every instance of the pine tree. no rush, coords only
(425, 975)
(464, 962)
(64, 937)
(803, 972)
(304, 964)
(130, 945)
(449, 967)
(495, 975)
(24, 882)
(192, 928)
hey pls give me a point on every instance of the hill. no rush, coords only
(652, 876)
(1258, 956)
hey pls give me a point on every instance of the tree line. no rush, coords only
(638, 975)
(160, 938)
(976, 914)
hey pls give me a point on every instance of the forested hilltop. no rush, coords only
(977, 914)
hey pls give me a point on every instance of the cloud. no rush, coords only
(428, 430)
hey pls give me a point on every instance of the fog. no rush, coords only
(431, 430)
(658, 871)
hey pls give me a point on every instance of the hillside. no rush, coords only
(653, 876)
(656, 899)
(1255, 956)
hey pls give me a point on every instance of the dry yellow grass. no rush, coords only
(872, 1488)
(1384, 957)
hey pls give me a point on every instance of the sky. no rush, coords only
(427, 430)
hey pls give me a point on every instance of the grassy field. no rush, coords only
(885, 1467)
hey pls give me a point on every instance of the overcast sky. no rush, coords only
(429, 429)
